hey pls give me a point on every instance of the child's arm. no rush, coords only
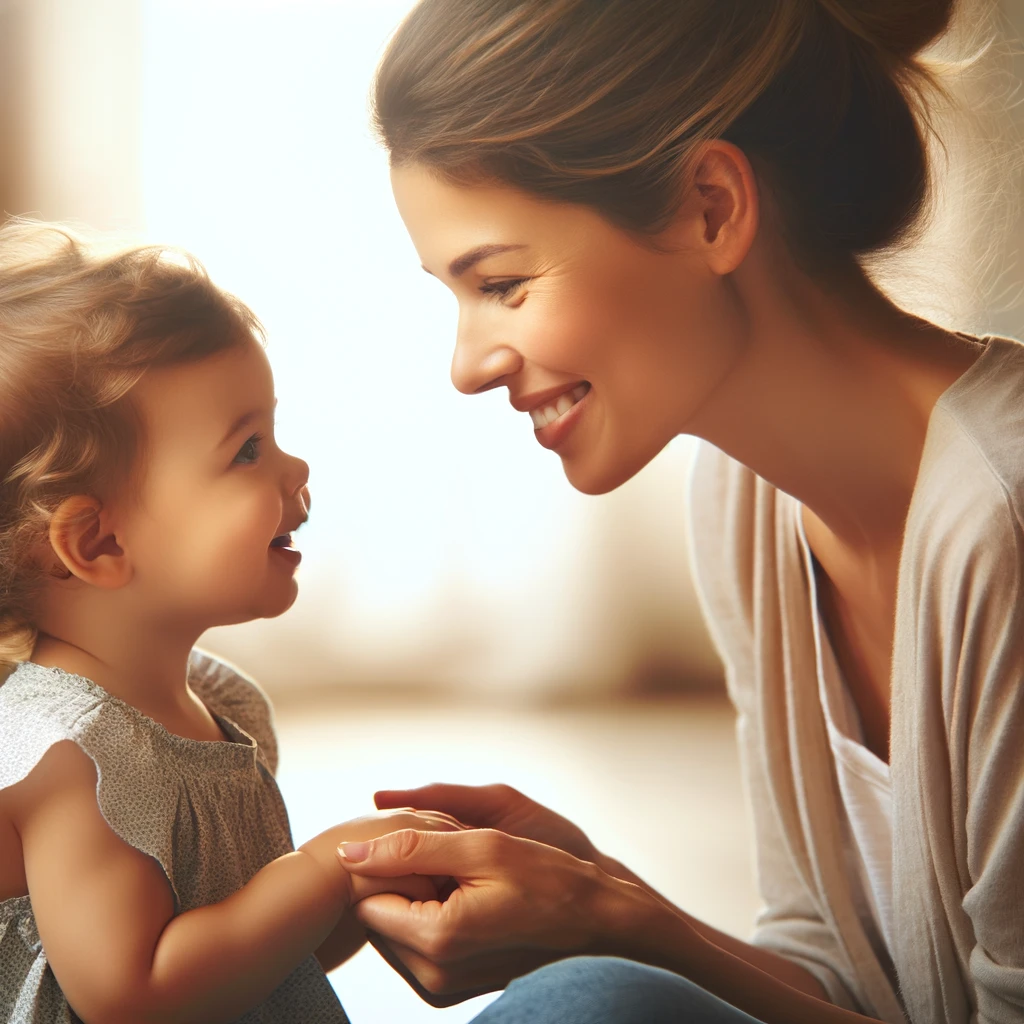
(105, 911)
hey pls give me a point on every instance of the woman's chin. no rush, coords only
(596, 479)
(599, 476)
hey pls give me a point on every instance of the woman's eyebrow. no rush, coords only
(243, 421)
(461, 264)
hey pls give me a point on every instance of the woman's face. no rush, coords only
(607, 347)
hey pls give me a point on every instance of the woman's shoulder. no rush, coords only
(228, 691)
(722, 495)
(728, 507)
(986, 408)
(970, 487)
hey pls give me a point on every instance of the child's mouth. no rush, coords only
(282, 545)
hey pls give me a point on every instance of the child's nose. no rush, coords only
(299, 472)
(298, 480)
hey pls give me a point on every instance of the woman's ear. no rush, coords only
(721, 214)
(83, 541)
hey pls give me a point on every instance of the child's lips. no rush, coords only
(282, 546)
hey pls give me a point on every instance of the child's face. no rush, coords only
(215, 490)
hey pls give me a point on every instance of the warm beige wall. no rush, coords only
(1010, 319)
(11, 142)
(70, 117)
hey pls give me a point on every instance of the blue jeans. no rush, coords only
(607, 990)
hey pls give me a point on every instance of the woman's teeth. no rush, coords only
(549, 413)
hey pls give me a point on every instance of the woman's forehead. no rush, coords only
(446, 220)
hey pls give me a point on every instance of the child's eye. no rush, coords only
(502, 290)
(250, 451)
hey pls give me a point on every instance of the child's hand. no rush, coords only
(379, 823)
(323, 848)
(349, 934)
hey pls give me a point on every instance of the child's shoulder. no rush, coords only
(227, 690)
(40, 707)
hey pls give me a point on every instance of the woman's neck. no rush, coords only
(831, 397)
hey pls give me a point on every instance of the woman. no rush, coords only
(654, 214)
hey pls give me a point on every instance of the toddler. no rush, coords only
(147, 871)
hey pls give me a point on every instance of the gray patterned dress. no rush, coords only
(210, 813)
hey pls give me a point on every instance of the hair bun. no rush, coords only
(900, 27)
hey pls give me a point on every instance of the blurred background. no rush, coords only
(464, 613)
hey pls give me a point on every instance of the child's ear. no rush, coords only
(81, 538)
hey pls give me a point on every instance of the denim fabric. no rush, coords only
(607, 990)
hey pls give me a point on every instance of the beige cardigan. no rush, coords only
(957, 737)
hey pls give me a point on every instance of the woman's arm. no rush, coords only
(524, 903)
(763, 959)
(106, 917)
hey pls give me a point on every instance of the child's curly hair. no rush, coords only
(79, 326)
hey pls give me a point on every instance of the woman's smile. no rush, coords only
(599, 312)
(553, 419)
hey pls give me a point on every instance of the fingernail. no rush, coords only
(354, 852)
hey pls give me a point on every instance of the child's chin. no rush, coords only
(270, 608)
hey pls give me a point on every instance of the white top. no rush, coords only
(957, 728)
(863, 776)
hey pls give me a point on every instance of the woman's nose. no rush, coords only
(478, 366)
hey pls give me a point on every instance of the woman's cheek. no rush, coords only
(570, 339)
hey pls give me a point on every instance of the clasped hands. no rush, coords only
(484, 887)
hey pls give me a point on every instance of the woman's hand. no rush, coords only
(323, 847)
(519, 904)
(499, 807)
(348, 935)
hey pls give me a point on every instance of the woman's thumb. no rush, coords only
(410, 852)
(354, 853)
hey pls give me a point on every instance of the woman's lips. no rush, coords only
(553, 433)
(542, 415)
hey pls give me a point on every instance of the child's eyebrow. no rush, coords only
(243, 421)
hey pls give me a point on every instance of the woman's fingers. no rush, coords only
(417, 971)
(480, 806)
(511, 892)
(414, 926)
(446, 984)
(499, 807)
(410, 887)
(412, 852)
(442, 822)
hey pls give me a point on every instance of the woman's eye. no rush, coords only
(250, 451)
(502, 290)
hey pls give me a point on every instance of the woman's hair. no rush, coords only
(607, 103)
(79, 326)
